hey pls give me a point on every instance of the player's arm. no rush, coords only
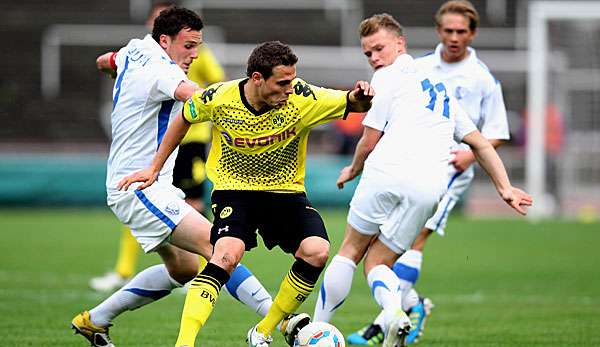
(494, 128)
(359, 98)
(106, 63)
(489, 160)
(464, 158)
(175, 133)
(364, 147)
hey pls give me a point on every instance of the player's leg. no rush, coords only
(387, 291)
(337, 280)
(247, 289)
(306, 239)
(127, 258)
(233, 231)
(204, 289)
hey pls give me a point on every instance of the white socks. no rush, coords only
(336, 285)
(385, 287)
(246, 288)
(147, 286)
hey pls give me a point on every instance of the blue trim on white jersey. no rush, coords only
(119, 81)
(239, 275)
(163, 120)
(425, 55)
(154, 209)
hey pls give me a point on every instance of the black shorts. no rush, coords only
(281, 219)
(191, 157)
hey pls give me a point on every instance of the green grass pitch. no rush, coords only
(494, 283)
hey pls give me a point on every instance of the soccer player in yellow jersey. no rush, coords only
(257, 165)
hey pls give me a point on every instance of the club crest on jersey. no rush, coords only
(459, 93)
(172, 208)
(226, 212)
(278, 120)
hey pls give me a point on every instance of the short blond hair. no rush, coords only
(462, 7)
(379, 21)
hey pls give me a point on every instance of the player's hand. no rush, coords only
(462, 159)
(362, 91)
(147, 176)
(517, 199)
(360, 97)
(346, 174)
(103, 63)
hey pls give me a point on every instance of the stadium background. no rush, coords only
(53, 102)
(495, 282)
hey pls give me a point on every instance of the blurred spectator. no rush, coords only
(349, 132)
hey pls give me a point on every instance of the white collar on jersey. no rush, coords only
(150, 42)
(437, 55)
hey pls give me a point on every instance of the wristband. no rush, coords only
(112, 62)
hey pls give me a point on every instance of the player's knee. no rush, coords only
(228, 253)
(314, 250)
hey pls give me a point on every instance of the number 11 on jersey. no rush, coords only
(433, 92)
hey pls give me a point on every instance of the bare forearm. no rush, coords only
(175, 133)
(489, 160)
(360, 155)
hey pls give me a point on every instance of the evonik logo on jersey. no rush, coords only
(259, 141)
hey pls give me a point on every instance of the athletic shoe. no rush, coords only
(397, 330)
(418, 315)
(109, 282)
(370, 335)
(97, 336)
(291, 325)
(256, 339)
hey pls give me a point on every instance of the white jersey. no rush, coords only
(419, 121)
(471, 83)
(143, 104)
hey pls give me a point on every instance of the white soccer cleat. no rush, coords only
(397, 331)
(109, 282)
(256, 339)
(292, 324)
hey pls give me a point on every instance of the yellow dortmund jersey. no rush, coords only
(261, 150)
(204, 70)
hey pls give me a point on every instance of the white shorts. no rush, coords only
(395, 209)
(458, 183)
(152, 214)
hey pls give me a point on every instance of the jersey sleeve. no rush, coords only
(493, 115)
(167, 76)
(199, 107)
(463, 125)
(319, 105)
(380, 113)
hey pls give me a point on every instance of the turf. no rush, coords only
(494, 283)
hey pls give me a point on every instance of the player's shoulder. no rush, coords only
(218, 93)
(479, 70)
(426, 60)
(304, 92)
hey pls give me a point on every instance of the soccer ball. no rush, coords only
(319, 334)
